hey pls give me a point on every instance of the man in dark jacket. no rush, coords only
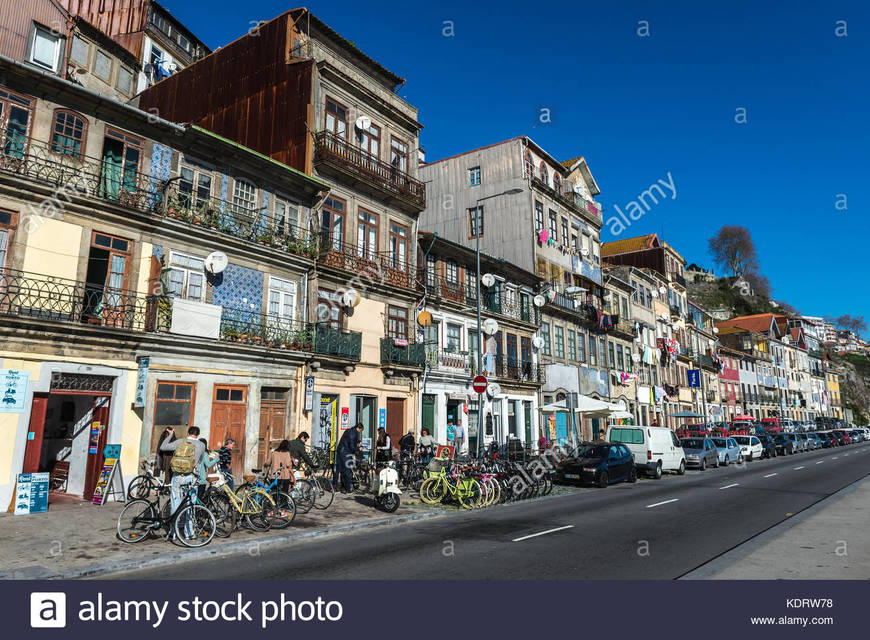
(298, 449)
(345, 458)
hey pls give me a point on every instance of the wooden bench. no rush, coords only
(59, 476)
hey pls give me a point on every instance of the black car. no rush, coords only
(784, 446)
(598, 464)
(825, 440)
(768, 446)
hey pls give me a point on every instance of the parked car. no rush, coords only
(750, 447)
(837, 438)
(856, 435)
(843, 436)
(729, 450)
(655, 449)
(768, 446)
(784, 445)
(600, 464)
(804, 441)
(700, 452)
(825, 440)
(814, 440)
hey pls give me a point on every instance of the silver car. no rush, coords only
(700, 453)
(802, 443)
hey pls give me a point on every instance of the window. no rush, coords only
(553, 224)
(593, 352)
(475, 222)
(367, 235)
(173, 406)
(544, 174)
(399, 155)
(14, 120)
(397, 323)
(282, 301)
(244, 197)
(7, 223)
(529, 164)
(78, 52)
(431, 274)
(398, 246)
(453, 338)
(596, 252)
(329, 308)
(70, 131)
(451, 271)
(332, 227)
(539, 215)
(121, 154)
(103, 66)
(619, 358)
(557, 183)
(336, 118)
(125, 80)
(581, 347)
(229, 394)
(545, 334)
(634, 294)
(194, 186)
(45, 48)
(565, 237)
(472, 345)
(286, 217)
(624, 308)
(370, 141)
(559, 335)
(474, 176)
(572, 346)
(610, 352)
(186, 276)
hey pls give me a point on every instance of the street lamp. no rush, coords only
(478, 216)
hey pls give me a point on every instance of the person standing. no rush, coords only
(187, 455)
(209, 460)
(349, 446)
(426, 446)
(225, 453)
(280, 461)
(459, 438)
(384, 446)
(298, 449)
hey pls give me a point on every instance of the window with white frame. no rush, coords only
(45, 48)
(186, 276)
(474, 176)
(194, 185)
(282, 301)
(244, 197)
(286, 217)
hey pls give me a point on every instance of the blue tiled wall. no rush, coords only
(236, 283)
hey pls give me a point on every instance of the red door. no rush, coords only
(95, 460)
(228, 410)
(33, 448)
(395, 420)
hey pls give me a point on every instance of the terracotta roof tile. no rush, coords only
(627, 245)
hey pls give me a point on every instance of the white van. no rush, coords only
(655, 449)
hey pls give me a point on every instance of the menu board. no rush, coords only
(31, 493)
(110, 473)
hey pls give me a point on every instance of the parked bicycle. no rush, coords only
(191, 523)
(285, 506)
(145, 483)
(250, 504)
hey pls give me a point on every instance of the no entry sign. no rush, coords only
(479, 384)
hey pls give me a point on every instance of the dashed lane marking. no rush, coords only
(799, 468)
(728, 486)
(770, 475)
(543, 533)
(657, 504)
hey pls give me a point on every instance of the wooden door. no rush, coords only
(273, 421)
(95, 460)
(395, 420)
(228, 410)
(33, 447)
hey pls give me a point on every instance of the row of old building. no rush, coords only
(250, 240)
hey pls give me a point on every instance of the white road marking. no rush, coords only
(535, 535)
(770, 475)
(845, 454)
(799, 468)
(820, 462)
(728, 486)
(835, 458)
(661, 503)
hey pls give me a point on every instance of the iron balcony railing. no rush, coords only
(335, 150)
(518, 307)
(409, 354)
(381, 266)
(78, 175)
(571, 200)
(676, 277)
(512, 368)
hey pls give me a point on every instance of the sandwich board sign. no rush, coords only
(110, 482)
(31, 493)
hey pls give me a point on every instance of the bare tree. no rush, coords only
(760, 284)
(855, 324)
(732, 249)
(788, 309)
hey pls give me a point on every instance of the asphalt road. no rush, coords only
(650, 530)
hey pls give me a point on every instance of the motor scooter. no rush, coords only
(386, 488)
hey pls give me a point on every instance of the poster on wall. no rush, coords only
(94, 439)
(309, 393)
(345, 418)
(142, 382)
(31, 493)
(110, 482)
(13, 390)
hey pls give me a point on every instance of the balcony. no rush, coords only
(679, 279)
(573, 201)
(513, 369)
(365, 172)
(676, 312)
(95, 178)
(465, 295)
(622, 328)
(407, 355)
(382, 267)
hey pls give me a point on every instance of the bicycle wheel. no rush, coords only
(136, 521)
(282, 514)
(195, 526)
(496, 491)
(256, 506)
(224, 513)
(140, 488)
(303, 494)
(432, 491)
(325, 493)
(468, 492)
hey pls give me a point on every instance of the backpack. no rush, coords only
(184, 460)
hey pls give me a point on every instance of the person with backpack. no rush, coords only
(187, 456)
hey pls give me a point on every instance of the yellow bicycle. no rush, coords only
(251, 504)
(440, 485)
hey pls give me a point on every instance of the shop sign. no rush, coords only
(13, 390)
(345, 418)
(31, 493)
(309, 393)
(142, 382)
(110, 476)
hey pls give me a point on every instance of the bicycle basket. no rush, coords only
(216, 478)
(437, 464)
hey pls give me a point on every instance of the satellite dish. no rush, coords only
(490, 326)
(715, 329)
(663, 290)
(172, 67)
(424, 319)
(578, 188)
(216, 262)
(493, 390)
(635, 357)
(654, 293)
(584, 251)
(487, 280)
(538, 342)
(363, 123)
(350, 298)
(577, 304)
(539, 300)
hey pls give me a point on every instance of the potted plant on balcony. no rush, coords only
(230, 334)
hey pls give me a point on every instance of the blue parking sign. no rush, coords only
(694, 377)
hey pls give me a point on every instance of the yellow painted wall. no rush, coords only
(368, 318)
(144, 269)
(53, 249)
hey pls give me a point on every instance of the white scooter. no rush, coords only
(386, 488)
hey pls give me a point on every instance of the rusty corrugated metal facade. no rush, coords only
(122, 20)
(245, 92)
(16, 22)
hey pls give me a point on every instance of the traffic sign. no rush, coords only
(479, 384)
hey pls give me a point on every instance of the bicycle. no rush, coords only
(285, 506)
(440, 485)
(142, 485)
(191, 523)
(252, 504)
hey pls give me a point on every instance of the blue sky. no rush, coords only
(640, 107)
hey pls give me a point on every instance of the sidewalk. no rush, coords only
(78, 539)
(828, 541)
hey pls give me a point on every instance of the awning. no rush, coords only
(686, 414)
(585, 405)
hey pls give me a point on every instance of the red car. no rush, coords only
(843, 436)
